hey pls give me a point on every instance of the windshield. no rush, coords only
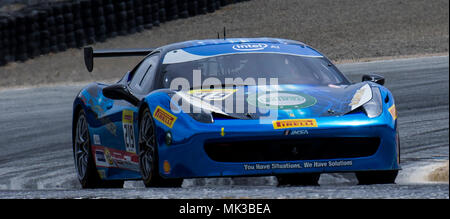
(288, 69)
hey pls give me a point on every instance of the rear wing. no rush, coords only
(90, 54)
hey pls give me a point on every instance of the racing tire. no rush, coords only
(193, 8)
(84, 159)
(109, 8)
(139, 24)
(51, 21)
(376, 177)
(162, 15)
(54, 49)
(148, 154)
(202, 7)
(299, 179)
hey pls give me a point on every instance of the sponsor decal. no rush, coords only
(212, 94)
(128, 131)
(97, 139)
(196, 102)
(294, 123)
(282, 100)
(100, 156)
(249, 46)
(322, 164)
(113, 158)
(127, 116)
(164, 117)
(393, 111)
(108, 156)
(272, 166)
(361, 96)
(298, 165)
(222, 132)
(295, 132)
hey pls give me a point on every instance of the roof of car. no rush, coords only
(193, 43)
(199, 49)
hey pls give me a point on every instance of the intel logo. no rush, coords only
(249, 46)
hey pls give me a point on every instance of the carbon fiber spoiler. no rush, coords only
(90, 54)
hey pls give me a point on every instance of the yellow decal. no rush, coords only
(212, 94)
(294, 123)
(222, 133)
(108, 156)
(164, 117)
(393, 111)
(128, 131)
(101, 174)
(166, 167)
(127, 116)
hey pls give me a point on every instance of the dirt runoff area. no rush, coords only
(341, 29)
(439, 174)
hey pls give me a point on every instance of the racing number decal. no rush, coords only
(212, 94)
(128, 131)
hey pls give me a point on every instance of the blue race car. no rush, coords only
(233, 107)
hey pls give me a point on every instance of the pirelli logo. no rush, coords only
(164, 117)
(393, 112)
(294, 123)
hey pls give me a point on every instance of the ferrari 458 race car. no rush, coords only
(233, 107)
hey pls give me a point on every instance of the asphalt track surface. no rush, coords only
(36, 156)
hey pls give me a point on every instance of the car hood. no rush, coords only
(283, 101)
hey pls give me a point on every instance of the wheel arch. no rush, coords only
(76, 110)
(141, 108)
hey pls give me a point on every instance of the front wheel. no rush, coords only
(377, 177)
(148, 154)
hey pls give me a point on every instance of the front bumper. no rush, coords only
(186, 156)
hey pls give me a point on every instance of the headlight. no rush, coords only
(202, 116)
(374, 107)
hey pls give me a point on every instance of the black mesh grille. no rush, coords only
(291, 149)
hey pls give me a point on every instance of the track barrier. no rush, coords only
(56, 26)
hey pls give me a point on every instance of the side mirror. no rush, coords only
(374, 78)
(120, 92)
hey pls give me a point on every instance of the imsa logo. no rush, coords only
(296, 132)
